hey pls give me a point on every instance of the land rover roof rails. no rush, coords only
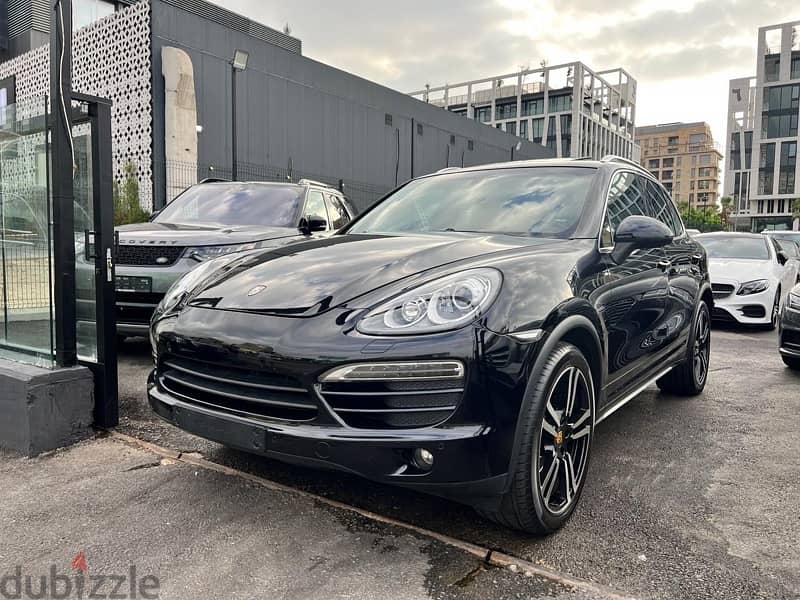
(622, 159)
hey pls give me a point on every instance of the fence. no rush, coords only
(180, 175)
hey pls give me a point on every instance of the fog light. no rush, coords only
(423, 459)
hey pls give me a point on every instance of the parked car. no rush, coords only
(783, 234)
(215, 219)
(789, 332)
(792, 251)
(462, 337)
(693, 231)
(750, 276)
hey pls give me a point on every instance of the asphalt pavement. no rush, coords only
(686, 498)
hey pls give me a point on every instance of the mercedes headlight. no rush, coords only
(753, 287)
(793, 301)
(184, 286)
(447, 303)
(203, 253)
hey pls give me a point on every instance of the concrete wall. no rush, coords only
(330, 123)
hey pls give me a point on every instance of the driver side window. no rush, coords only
(315, 207)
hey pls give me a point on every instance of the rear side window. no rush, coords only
(339, 216)
(663, 208)
(315, 206)
(626, 197)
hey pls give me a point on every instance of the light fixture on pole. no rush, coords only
(238, 63)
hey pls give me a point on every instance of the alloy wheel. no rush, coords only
(776, 309)
(565, 439)
(702, 347)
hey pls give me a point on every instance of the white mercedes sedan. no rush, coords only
(750, 277)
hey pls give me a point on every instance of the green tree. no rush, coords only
(127, 206)
(705, 219)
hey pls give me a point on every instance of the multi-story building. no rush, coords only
(685, 158)
(762, 166)
(568, 108)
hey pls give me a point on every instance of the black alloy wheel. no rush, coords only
(702, 347)
(689, 377)
(555, 430)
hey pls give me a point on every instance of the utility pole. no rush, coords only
(62, 165)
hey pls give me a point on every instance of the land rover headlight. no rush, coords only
(447, 303)
(184, 286)
(204, 253)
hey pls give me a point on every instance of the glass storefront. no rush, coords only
(26, 249)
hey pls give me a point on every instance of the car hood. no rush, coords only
(176, 234)
(730, 269)
(309, 278)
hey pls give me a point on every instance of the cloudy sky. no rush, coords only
(682, 52)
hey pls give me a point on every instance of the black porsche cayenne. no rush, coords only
(463, 337)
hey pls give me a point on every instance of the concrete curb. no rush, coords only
(487, 555)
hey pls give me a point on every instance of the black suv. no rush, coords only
(462, 337)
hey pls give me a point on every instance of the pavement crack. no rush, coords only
(471, 576)
(147, 465)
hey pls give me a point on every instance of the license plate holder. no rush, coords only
(224, 431)
(129, 283)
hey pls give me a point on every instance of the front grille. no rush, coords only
(722, 290)
(155, 255)
(393, 404)
(244, 392)
(753, 311)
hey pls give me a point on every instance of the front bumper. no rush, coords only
(471, 448)
(789, 332)
(753, 309)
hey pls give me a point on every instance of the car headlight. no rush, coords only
(447, 303)
(793, 301)
(753, 287)
(179, 290)
(203, 253)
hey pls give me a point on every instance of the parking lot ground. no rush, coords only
(205, 534)
(686, 498)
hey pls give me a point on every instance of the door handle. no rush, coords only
(109, 266)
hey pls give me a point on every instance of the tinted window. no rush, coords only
(339, 216)
(728, 246)
(663, 208)
(788, 246)
(626, 197)
(315, 206)
(539, 201)
(235, 204)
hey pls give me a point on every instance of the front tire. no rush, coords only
(556, 435)
(776, 312)
(689, 377)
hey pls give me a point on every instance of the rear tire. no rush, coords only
(556, 432)
(791, 362)
(689, 377)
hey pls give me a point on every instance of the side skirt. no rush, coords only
(616, 405)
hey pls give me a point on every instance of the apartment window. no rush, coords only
(748, 149)
(697, 138)
(691, 198)
(678, 174)
(523, 129)
(652, 163)
(537, 130)
(772, 67)
(668, 163)
(691, 185)
(704, 184)
(795, 73)
(705, 159)
(483, 114)
(694, 172)
(532, 107)
(706, 172)
(781, 205)
(566, 135)
(551, 133)
(760, 207)
(735, 152)
(470, 145)
(766, 183)
(694, 159)
(672, 140)
(560, 103)
(505, 111)
(786, 174)
(771, 205)
(85, 12)
(511, 128)
(780, 111)
(666, 175)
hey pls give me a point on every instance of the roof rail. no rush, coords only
(214, 180)
(314, 182)
(622, 159)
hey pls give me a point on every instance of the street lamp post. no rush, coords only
(238, 63)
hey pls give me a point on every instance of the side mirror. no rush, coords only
(312, 223)
(637, 233)
(783, 258)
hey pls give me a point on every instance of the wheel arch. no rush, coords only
(583, 332)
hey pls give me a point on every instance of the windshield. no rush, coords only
(746, 248)
(235, 204)
(538, 201)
